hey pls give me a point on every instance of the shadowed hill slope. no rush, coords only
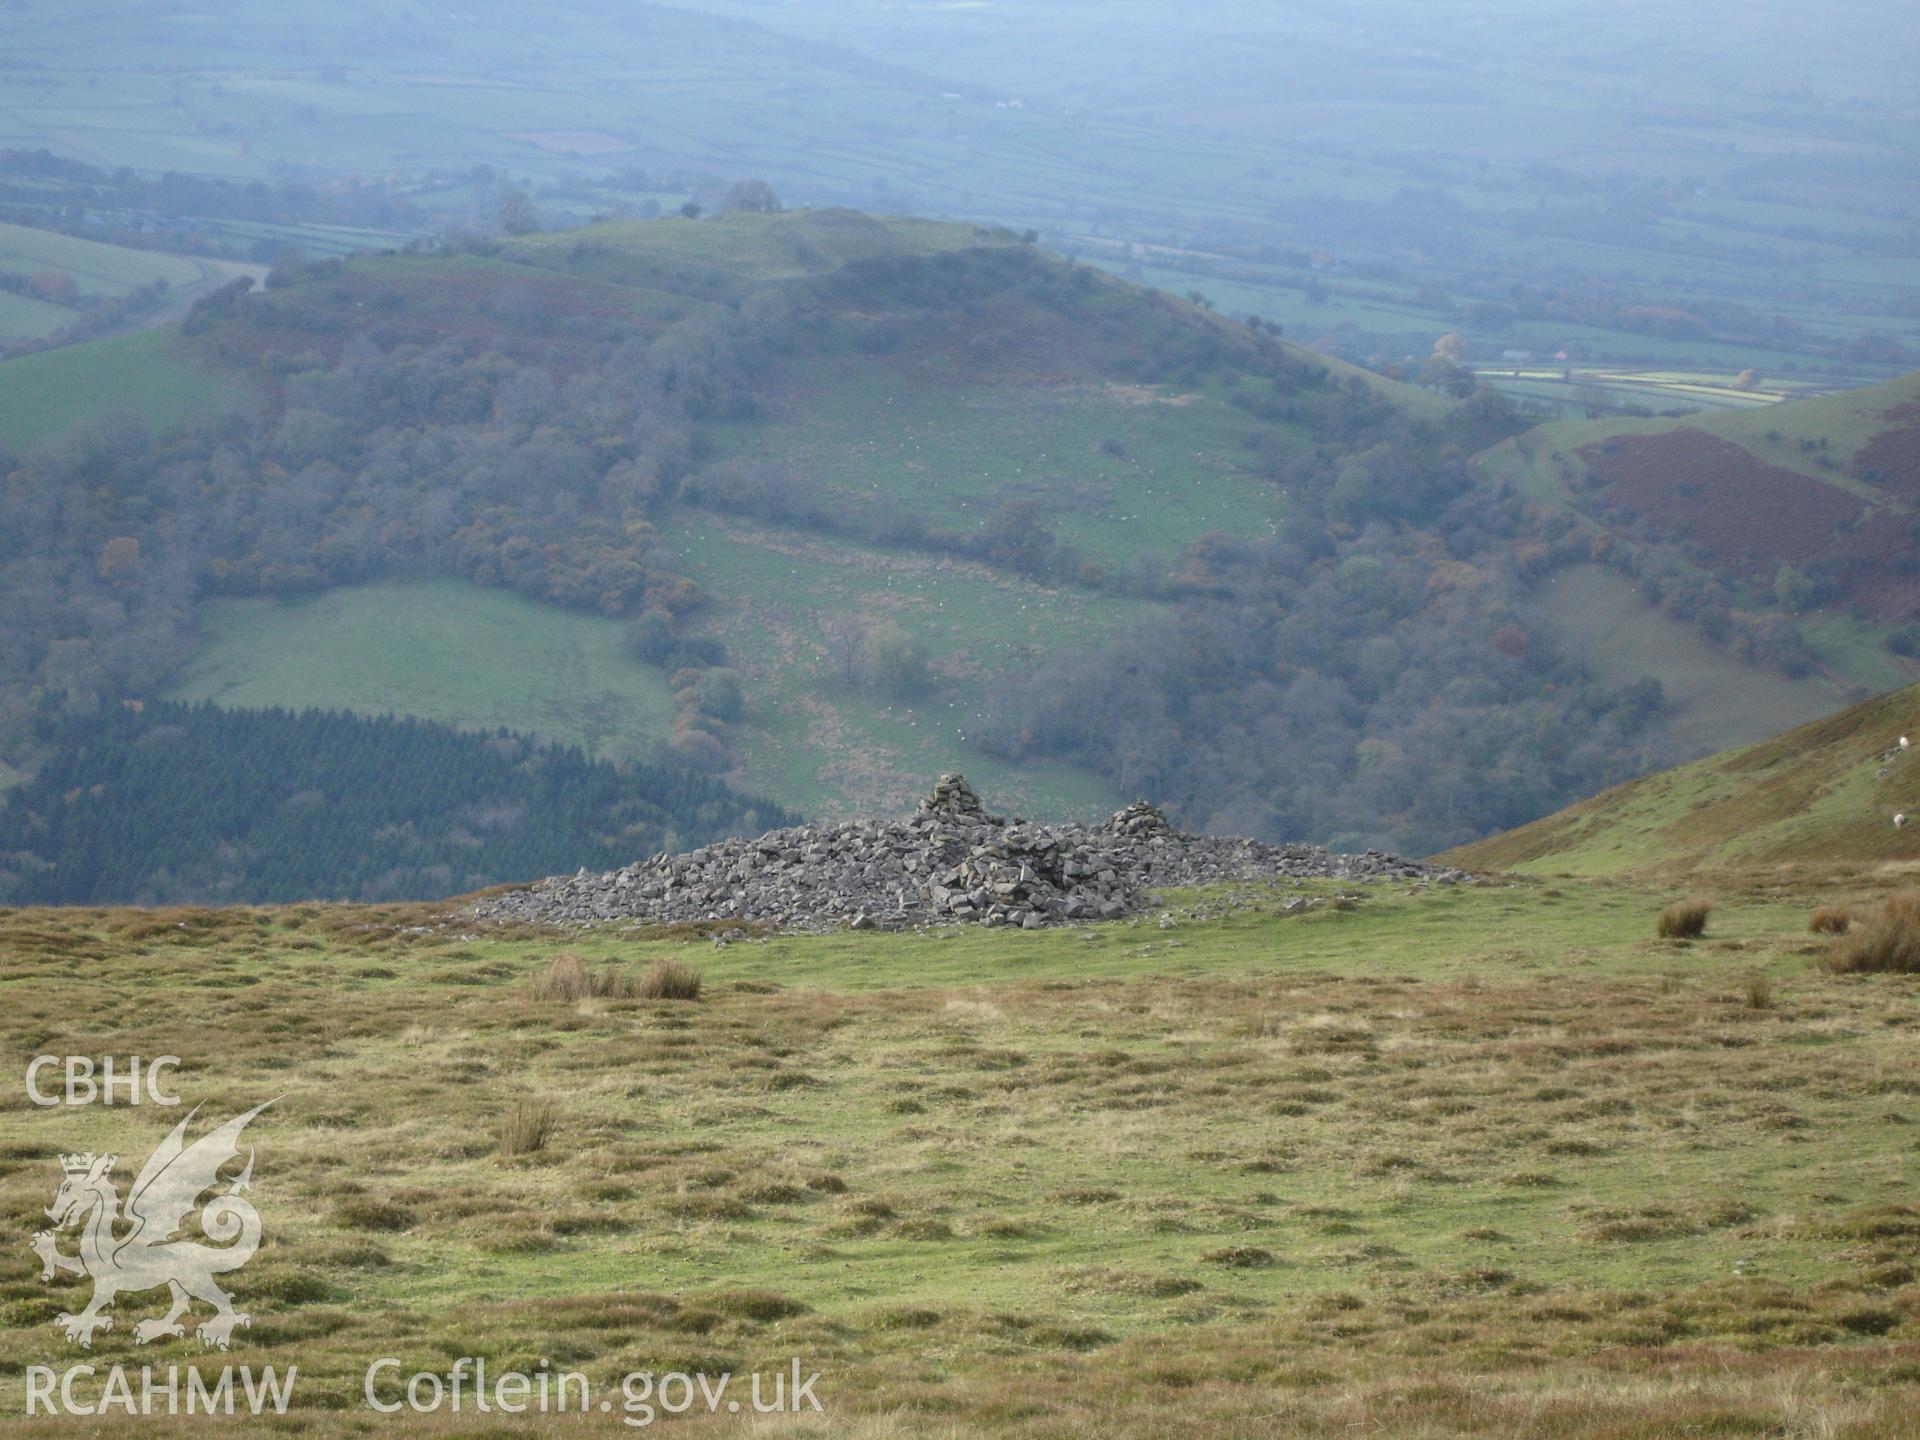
(1826, 791)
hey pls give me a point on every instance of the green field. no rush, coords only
(1717, 699)
(23, 317)
(96, 269)
(1569, 390)
(1486, 1160)
(1116, 469)
(146, 374)
(442, 650)
(820, 746)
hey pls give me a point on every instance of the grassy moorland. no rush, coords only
(1485, 1160)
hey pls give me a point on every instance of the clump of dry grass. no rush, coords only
(527, 1127)
(567, 978)
(1830, 920)
(1759, 992)
(1684, 919)
(361, 1212)
(1888, 939)
(1240, 1257)
(669, 980)
(763, 1306)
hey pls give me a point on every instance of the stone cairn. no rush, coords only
(950, 861)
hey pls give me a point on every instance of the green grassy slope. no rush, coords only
(96, 269)
(1824, 792)
(1715, 699)
(823, 747)
(1118, 468)
(1176, 1177)
(148, 374)
(442, 650)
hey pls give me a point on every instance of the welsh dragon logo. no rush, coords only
(145, 1253)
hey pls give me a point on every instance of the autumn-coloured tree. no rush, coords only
(55, 286)
(119, 560)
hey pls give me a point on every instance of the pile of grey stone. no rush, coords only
(950, 861)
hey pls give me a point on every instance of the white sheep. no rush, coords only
(1903, 742)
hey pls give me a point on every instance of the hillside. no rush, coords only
(1825, 792)
(867, 499)
(870, 500)
(1800, 514)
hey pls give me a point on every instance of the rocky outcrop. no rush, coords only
(951, 861)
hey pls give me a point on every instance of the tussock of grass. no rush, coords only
(1830, 920)
(567, 978)
(1240, 1257)
(669, 980)
(1684, 920)
(1888, 939)
(526, 1128)
(760, 1306)
(364, 1212)
(908, 1317)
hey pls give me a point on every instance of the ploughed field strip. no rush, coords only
(952, 861)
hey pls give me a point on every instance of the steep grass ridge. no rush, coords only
(1827, 791)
